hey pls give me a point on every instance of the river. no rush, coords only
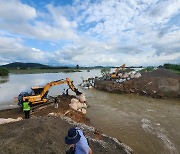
(147, 125)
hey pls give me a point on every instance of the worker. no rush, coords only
(77, 141)
(63, 92)
(26, 108)
(67, 92)
(55, 103)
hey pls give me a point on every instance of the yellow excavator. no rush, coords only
(114, 75)
(39, 94)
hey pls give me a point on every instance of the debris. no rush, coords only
(8, 120)
(132, 91)
(144, 92)
(149, 83)
(67, 112)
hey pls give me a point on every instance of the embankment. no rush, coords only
(158, 84)
(44, 132)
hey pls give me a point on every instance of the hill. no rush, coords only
(24, 65)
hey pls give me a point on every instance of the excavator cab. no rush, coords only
(37, 90)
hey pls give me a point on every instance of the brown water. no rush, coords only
(147, 125)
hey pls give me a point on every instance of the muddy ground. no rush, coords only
(44, 132)
(159, 83)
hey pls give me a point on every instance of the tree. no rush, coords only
(4, 72)
(105, 71)
(77, 66)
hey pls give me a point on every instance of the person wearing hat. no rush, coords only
(77, 141)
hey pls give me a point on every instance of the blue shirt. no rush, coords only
(82, 146)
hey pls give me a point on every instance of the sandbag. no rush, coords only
(3, 120)
(126, 75)
(132, 76)
(74, 100)
(137, 75)
(82, 98)
(78, 106)
(82, 110)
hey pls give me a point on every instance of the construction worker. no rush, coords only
(26, 108)
(67, 92)
(56, 103)
(77, 141)
(63, 92)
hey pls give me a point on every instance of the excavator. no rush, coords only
(39, 94)
(114, 75)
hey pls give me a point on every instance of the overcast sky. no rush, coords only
(90, 32)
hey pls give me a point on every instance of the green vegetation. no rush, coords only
(18, 65)
(147, 69)
(174, 67)
(4, 72)
(105, 71)
(36, 71)
(77, 67)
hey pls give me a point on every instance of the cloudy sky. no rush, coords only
(90, 32)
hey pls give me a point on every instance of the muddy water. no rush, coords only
(147, 125)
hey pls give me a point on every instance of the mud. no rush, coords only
(158, 84)
(44, 132)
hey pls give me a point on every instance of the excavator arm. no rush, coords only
(41, 97)
(115, 74)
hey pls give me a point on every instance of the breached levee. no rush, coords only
(158, 84)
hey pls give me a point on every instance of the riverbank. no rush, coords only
(37, 71)
(44, 132)
(159, 83)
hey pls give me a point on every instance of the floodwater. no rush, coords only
(147, 125)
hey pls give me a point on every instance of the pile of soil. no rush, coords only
(159, 83)
(44, 132)
(161, 73)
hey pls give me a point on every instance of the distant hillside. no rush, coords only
(19, 65)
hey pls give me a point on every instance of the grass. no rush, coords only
(147, 69)
(37, 71)
(175, 71)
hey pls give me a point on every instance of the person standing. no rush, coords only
(67, 92)
(63, 92)
(55, 103)
(26, 108)
(77, 141)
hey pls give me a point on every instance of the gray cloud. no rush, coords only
(101, 33)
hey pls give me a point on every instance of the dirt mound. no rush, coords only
(158, 84)
(161, 72)
(46, 135)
